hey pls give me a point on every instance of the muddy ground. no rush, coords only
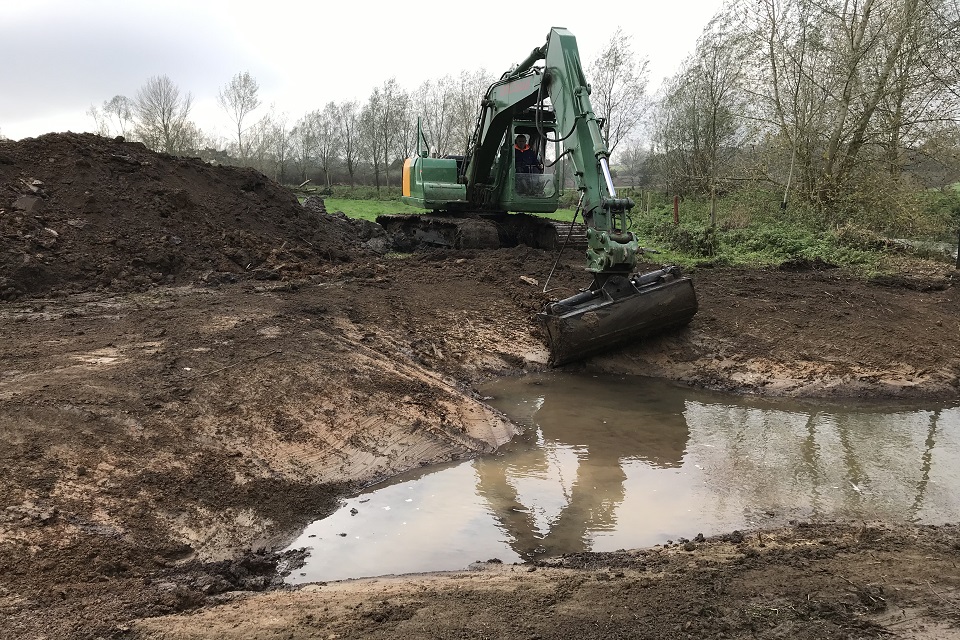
(193, 366)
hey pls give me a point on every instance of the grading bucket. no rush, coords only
(619, 311)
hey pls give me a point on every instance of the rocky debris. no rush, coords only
(252, 571)
(28, 513)
(369, 235)
(315, 204)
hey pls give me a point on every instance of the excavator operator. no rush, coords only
(525, 157)
(526, 162)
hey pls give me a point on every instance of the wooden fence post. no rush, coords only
(713, 208)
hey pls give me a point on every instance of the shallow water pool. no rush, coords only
(606, 463)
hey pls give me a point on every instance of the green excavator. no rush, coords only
(546, 99)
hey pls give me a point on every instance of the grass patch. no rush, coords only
(562, 215)
(751, 231)
(747, 242)
(370, 209)
(367, 209)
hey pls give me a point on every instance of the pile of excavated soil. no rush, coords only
(192, 367)
(79, 212)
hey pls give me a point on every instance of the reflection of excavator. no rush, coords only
(550, 105)
(603, 438)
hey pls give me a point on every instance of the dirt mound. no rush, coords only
(81, 212)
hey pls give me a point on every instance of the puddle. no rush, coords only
(616, 463)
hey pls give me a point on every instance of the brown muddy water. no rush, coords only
(607, 463)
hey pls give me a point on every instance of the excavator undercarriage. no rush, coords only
(464, 230)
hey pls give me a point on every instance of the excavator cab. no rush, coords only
(532, 183)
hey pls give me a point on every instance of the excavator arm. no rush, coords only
(612, 247)
(619, 306)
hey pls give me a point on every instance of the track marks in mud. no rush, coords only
(807, 582)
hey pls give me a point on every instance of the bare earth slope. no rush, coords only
(192, 366)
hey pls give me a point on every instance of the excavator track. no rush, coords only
(409, 232)
(571, 239)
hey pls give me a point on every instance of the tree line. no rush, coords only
(839, 104)
(351, 141)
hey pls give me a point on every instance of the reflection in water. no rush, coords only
(602, 427)
(925, 465)
(856, 463)
(615, 463)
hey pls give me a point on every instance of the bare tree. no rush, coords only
(703, 116)
(392, 122)
(327, 139)
(260, 142)
(383, 120)
(405, 127)
(301, 146)
(433, 102)
(120, 110)
(349, 133)
(371, 138)
(280, 147)
(468, 90)
(921, 101)
(115, 116)
(190, 139)
(632, 162)
(316, 142)
(239, 98)
(619, 85)
(161, 115)
(842, 90)
(945, 27)
(100, 121)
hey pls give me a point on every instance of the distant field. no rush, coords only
(370, 209)
(747, 233)
(367, 209)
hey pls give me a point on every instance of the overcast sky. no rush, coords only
(59, 57)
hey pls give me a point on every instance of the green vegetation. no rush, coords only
(751, 230)
(364, 203)
(367, 209)
(563, 215)
(358, 202)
